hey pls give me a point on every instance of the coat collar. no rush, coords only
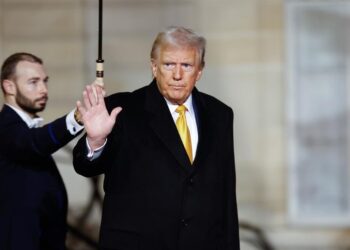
(31, 122)
(164, 127)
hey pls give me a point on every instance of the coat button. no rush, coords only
(191, 181)
(184, 222)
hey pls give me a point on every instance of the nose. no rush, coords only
(177, 73)
(43, 88)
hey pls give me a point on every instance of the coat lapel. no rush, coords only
(204, 126)
(163, 125)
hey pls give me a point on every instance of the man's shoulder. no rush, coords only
(126, 98)
(212, 102)
(10, 121)
(7, 114)
(117, 99)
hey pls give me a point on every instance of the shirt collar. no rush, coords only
(31, 122)
(188, 103)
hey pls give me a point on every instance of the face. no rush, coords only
(176, 70)
(30, 84)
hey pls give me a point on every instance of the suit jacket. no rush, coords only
(33, 200)
(154, 198)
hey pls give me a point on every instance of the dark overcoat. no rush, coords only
(154, 198)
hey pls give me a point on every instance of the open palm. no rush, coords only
(97, 121)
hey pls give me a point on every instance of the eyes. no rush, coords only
(187, 67)
(35, 81)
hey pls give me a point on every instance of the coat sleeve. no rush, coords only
(232, 224)
(85, 166)
(19, 140)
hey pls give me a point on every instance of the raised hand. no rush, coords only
(97, 121)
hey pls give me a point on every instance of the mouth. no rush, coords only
(42, 100)
(177, 87)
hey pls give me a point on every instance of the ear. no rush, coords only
(154, 67)
(9, 87)
(199, 74)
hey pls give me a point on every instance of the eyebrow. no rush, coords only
(34, 78)
(38, 78)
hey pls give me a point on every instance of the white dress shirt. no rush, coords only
(36, 122)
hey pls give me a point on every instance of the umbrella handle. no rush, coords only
(99, 72)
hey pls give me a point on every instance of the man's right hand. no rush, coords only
(97, 121)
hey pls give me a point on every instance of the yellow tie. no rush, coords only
(184, 132)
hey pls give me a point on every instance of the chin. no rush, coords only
(41, 108)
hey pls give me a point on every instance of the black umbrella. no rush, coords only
(99, 61)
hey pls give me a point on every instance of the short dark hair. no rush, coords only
(8, 68)
(179, 36)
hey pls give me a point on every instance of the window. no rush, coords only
(318, 52)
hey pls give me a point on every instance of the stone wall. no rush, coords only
(245, 69)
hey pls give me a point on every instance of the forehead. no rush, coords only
(30, 69)
(178, 53)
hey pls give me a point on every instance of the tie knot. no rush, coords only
(181, 109)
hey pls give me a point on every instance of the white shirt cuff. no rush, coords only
(72, 124)
(94, 154)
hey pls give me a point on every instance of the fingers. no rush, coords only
(95, 94)
(103, 92)
(115, 113)
(99, 94)
(86, 99)
(89, 97)
(80, 109)
(92, 93)
(92, 98)
(98, 83)
(96, 90)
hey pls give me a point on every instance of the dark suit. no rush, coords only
(33, 199)
(154, 198)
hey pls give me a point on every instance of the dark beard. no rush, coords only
(28, 105)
